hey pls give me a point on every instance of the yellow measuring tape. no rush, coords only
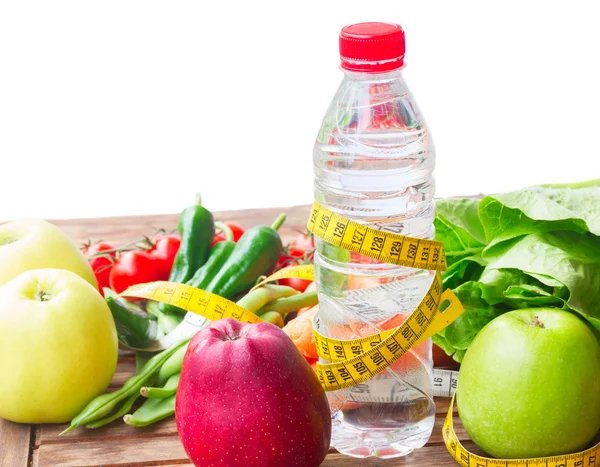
(189, 298)
(357, 360)
(384, 246)
(305, 271)
(587, 458)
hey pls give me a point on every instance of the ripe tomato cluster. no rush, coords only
(120, 267)
(301, 250)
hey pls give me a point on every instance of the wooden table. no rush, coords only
(158, 445)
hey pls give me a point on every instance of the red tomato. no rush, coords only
(133, 267)
(164, 251)
(301, 245)
(298, 251)
(101, 265)
(295, 283)
(236, 229)
(285, 261)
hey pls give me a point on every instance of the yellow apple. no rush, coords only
(58, 346)
(33, 244)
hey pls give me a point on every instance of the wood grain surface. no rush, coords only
(158, 445)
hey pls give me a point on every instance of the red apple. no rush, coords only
(248, 398)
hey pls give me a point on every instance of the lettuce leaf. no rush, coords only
(457, 225)
(540, 209)
(537, 247)
(568, 258)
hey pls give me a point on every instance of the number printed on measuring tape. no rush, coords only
(358, 360)
(388, 390)
(186, 297)
(588, 458)
(381, 245)
(337, 350)
(444, 382)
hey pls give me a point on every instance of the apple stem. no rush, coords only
(536, 322)
(41, 295)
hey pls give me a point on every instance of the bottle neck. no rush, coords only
(374, 78)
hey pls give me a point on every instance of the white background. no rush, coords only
(129, 107)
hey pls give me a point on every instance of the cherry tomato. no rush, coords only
(298, 251)
(133, 267)
(301, 245)
(164, 251)
(285, 261)
(295, 283)
(236, 229)
(101, 265)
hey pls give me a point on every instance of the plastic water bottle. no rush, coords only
(373, 162)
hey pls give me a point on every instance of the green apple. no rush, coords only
(529, 385)
(58, 346)
(33, 244)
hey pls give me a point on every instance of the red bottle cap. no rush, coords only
(372, 47)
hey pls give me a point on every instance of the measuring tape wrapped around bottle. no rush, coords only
(355, 361)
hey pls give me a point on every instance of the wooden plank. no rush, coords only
(15, 441)
(148, 451)
(50, 433)
(168, 449)
(120, 451)
(127, 228)
(428, 456)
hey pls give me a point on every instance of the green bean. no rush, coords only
(287, 305)
(167, 390)
(125, 407)
(103, 405)
(151, 411)
(256, 299)
(273, 317)
(172, 365)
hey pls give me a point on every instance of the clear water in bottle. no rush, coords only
(373, 162)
